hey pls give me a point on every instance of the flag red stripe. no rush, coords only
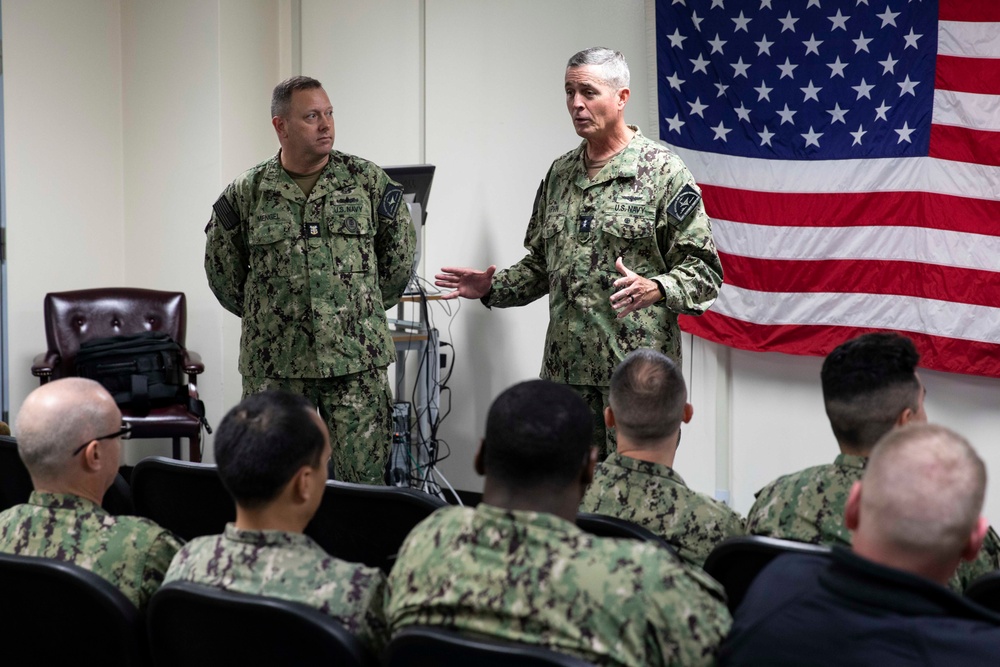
(910, 209)
(967, 75)
(943, 354)
(915, 279)
(968, 10)
(964, 145)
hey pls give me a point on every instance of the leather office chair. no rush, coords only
(367, 524)
(192, 624)
(184, 497)
(55, 613)
(77, 316)
(603, 525)
(425, 646)
(985, 591)
(735, 562)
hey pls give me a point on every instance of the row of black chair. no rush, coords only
(190, 624)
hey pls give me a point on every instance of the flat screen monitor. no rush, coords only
(416, 181)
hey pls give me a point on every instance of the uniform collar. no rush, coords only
(851, 461)
(538, 519)
(647, 467)
(266, 538)
(276, 178)
(63, 501)
(623, 165)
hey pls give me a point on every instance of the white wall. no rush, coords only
(120, 140)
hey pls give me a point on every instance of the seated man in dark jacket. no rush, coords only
(914, 516)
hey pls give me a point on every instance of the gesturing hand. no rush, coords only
(634, 291)
(465, 282)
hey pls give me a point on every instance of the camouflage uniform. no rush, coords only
(290, 566)
(656, 497)
(130, 552)
(808, 506)
(311, 279)
(644, 207)
(537, 579)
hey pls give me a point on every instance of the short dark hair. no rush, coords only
(867, 382)
(538, 434)
(262, 442)
(648, 396)
(281, 97)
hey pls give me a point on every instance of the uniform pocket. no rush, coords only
(352, 234)
(271, 247)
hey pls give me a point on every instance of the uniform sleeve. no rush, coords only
(395, 240)
(685, 237)
(693, 618)
(527, 280)
(161, 552)
(374, 627)
(227, 258)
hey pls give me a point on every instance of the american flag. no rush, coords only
(849, 156)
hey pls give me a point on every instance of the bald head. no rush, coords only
(921, 494)
(58, 417)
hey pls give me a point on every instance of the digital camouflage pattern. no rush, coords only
(808, 506)
(311, 279)
(537, 579)
(358, 412)
(656, 497)
(577, 230)
(130, 552)
(289, 566)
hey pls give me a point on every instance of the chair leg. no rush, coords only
(195, 447)
(177, 448)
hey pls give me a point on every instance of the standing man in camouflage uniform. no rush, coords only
(310, 248)
(870, 386)
(517, 568)
(638, 483)
(272, 451)
(69, 434)
(618, 238)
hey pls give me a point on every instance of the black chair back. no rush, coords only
(603, 525)
(367, 524)
(985, 591)
(735, 562)
(424, 646)
(55, 613)
(192, 624)
(184, 497)
(15, 482)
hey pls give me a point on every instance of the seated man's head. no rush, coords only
(870, 386)
(648, 400)
(537, 452)
(69, 436)
(917, 506)
(272, 451)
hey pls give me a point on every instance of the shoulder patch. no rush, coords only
(226, 213)
(391, 198)
(683, 202)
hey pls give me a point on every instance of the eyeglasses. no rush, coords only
(124, 434)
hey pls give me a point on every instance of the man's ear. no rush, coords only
(852, 512)
(609, 417)
(477, 463)
(587, 472)
(279, 125)
(688, 413)
(976, 538)
(623, 96)
(300, 484)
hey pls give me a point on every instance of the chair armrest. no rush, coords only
(192, 362)
(45, 364)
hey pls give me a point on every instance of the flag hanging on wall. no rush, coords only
(849, 156)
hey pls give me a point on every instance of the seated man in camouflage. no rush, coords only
(648, 403)
(272, 452)
(883, 601)
(69, 435)
(517, 568)
(870, 386)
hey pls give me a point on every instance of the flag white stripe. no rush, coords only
(901, 313)
(968, 39)
(906, 244)
(917, 174)
(969, 110)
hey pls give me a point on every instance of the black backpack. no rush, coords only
(140, 370)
